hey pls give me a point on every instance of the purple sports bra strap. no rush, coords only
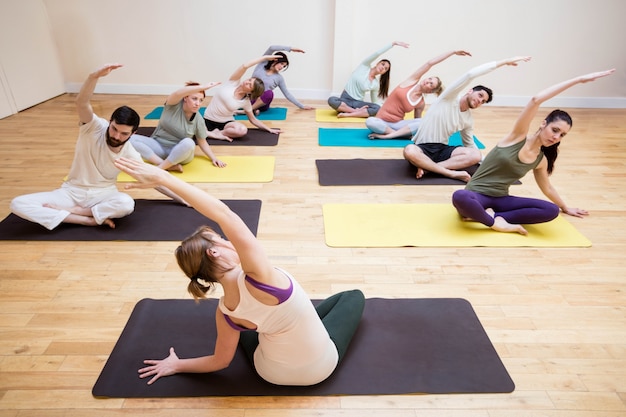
(234, 325)
(281, 294)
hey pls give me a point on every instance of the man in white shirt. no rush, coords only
(89, 196)
(430, 151)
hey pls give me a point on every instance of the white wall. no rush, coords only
(565, 38)
(29, 63)
(164, 43)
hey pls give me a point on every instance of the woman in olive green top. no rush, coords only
(486, 197)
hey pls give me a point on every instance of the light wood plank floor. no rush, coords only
(556, 316)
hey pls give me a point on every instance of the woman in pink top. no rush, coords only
(408, 96)
(291, 342)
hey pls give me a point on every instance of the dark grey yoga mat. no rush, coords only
(401, 346)
(254, 137)
(377, 172)
(152, 220)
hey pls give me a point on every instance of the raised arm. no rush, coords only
(276, 48)
(253, 259)
(462, 82)
(239, 72)
(512, 61)
(522, 124)
(179, 94)
(371, 58)
(419, 73)
(83, 105)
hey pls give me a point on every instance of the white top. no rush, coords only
(294, 346)
(444, 117)
(223, 104)
(92, 166)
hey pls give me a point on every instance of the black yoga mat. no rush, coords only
(152, 220)
(401, 346)
(254, 137)
(378, 172)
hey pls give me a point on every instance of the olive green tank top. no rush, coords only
(499, 170)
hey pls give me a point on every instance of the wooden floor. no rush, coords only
(557, 317)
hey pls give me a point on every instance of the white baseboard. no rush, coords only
(304, 94)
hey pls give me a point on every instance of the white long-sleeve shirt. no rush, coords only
(444, 117)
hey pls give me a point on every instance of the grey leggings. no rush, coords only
(340, 313)
(335, 102)
(181, 153)
(380, 126)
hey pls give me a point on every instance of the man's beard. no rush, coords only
(114, 143)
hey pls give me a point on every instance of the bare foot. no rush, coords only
(501, 225)
(217, 134)
(420, 173)
(175, 168)
(460, 175)
(109, 222)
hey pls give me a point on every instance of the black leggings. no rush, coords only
(340, 313)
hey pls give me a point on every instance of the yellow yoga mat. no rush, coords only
(330, 115)
(433, 225)
(238, 169)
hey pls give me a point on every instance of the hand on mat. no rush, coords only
(159, 368)
(575, 212)
(275, 130)
(147, 175)
(218, 163)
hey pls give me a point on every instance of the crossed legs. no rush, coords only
(460, 157)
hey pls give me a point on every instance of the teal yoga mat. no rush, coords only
(274, 113)
(358, 138)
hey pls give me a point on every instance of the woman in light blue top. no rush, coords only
(365, 79)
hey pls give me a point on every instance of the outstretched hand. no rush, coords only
(106, 70)
(159, 368)
(462, 53)
(211, 84)
(147, 175)
(515, 60)
(398, 43)
(595, 75)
